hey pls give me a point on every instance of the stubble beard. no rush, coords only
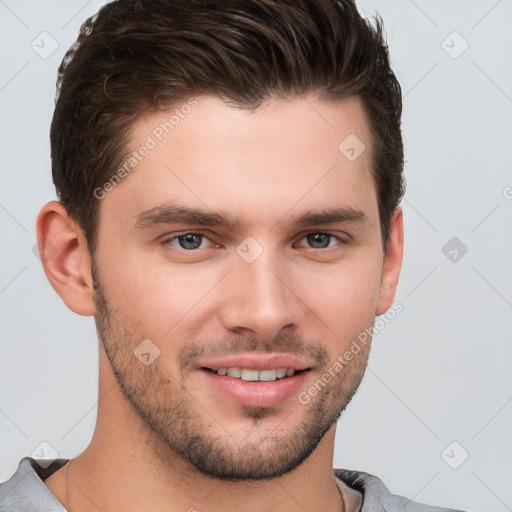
(180, 426)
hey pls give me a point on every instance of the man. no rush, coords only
(229, 175)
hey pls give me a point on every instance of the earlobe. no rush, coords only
(392, 262)
(65, 258)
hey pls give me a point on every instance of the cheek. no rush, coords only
(345, 296)
(154, 295)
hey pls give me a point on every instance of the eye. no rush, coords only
(321, 240)
(187, 241)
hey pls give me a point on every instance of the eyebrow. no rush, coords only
(172, 214)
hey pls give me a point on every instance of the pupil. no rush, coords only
(190, 241)
(319, 238)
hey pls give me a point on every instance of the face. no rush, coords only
(241, 256)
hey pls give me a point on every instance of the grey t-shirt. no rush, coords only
(25, 491)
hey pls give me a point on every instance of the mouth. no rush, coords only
(257, 380)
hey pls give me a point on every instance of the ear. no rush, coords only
(65, 258)
(392, 262)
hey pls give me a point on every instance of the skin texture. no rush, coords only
(179, 443)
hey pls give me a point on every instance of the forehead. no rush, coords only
(304, 121)
(285, 154)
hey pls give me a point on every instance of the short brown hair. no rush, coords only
(137, 56)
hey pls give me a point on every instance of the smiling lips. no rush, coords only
(258, 380)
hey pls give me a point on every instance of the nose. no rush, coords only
(259, 299)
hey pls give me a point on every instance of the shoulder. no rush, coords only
(378, 498)
(25, 491)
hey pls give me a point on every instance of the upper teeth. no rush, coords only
(253, 375)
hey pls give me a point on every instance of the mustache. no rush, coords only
(283, 344)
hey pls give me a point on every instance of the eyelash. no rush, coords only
(169, 240)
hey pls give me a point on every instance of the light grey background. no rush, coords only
(439, 373)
